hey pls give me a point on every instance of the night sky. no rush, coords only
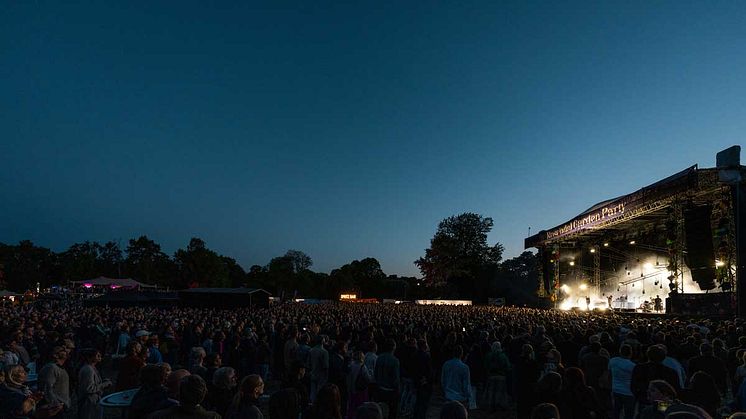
(350, 131)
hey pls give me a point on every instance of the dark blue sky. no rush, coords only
(349, 131)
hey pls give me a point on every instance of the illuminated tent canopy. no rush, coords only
(113, 283)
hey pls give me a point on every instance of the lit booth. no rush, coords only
(224, 297)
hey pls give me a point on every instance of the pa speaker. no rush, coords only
(700, 257)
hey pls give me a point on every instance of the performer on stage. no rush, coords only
(658, 304)
(588, 302)
(609, 300)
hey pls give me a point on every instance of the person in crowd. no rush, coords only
(357, 382)
(371, 356)
(152, 395)
(196, 361)
(222, 391)
(192, 392)
(455, 378)
(90, 386)
(129, 368)
(173, 382)
(675, 365)
(295, 379)
(339, 369)
(213, 361)
(245, 404)
(422, 379)
(123, 340)
(662, 401)
(154, 353)
(712, 365)
(453, 410)
(620, 368)
(579, 400)
(703, 392)
(545, 411)
(369, 410)
(318, 360)
(291, 349)
(54, 380)
(549, 389)
(387, 378)
(644, 373)
(327, 404)
(17, 401)
(594, 365)
(498, 368)
(285, 404)
(525, 377)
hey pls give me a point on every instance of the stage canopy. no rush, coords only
(103, 281)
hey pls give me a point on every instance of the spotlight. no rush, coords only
(593, 250)
(583, 287)
(606, 244)
(572, 263)
(719, 264)
(632, 242)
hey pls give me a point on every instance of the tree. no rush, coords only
(300, 260)
(459, 253)
(365, 276)
(109, 259)
(199, 265)
(516, 279)
(25, 265)
(79, 261)
(146, 262)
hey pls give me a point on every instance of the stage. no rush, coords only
(672, 246)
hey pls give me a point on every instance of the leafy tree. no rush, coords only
(300, 260)
(79, 261)
(236, 274)
(516, 279)
(25, 265)
(199, 265)
(364, 276)
(110, 259)
(459, 252)
(146, 262)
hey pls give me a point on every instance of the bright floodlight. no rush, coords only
(648, 265)
(593, 250)
(572, 263)
(632, 242)
(565, 288)
(583, 287)
(719, 264)
(606, 244)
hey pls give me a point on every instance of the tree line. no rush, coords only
(458, 264)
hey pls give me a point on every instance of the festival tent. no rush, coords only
(112, 283)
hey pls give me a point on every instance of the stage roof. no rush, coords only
(645, 205)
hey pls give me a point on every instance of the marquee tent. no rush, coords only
(113, 283)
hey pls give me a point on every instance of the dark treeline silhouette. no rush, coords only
(459, 264)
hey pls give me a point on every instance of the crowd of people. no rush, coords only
(364, 361)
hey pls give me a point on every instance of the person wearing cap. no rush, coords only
(142, 336)
(54, 380)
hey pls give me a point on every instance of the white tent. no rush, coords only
(113, 283)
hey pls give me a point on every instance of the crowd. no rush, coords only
(359, 361)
